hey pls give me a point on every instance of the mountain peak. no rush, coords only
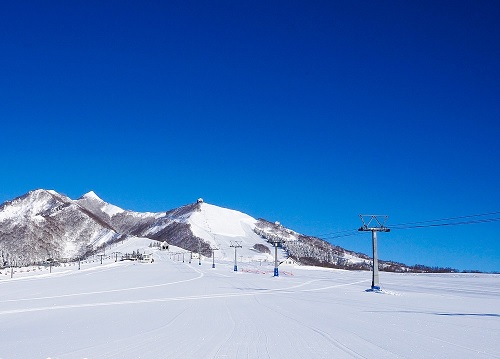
(95, 204)
(91, 195)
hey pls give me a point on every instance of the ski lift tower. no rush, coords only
(374, 223)
(236, 244)
(199, 252)
(213, 249)
(276, 242)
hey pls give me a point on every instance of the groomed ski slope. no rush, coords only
(174, 309)
(222, 227)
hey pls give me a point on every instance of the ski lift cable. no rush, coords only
(447, 224)
(355, 233)
(423, 224)
(335, 233)
(446, 219)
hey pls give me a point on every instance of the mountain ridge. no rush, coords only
(45, 224)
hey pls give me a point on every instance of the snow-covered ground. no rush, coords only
(173, 309)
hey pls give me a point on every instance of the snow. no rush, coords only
(221, 226)
(111, 210)
(32, 206)
(132, 244)
(226, 222)
(107, 208)
(353, 259)
(174, 309)
(92, 196)
(102, 237)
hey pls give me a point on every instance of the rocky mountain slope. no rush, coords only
(45, 224)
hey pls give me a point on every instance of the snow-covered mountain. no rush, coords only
(44, 224)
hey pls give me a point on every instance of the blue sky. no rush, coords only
(309, 113)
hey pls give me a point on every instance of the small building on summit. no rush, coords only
(199, 200)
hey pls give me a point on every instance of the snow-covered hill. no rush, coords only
(221, 228)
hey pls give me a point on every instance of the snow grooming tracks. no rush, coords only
(335, 286)
(219, 314)
(244, 341)
(159, 300)
(201, 275)
(311, 348)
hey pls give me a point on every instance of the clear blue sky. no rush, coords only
(306, 112)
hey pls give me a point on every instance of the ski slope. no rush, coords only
(174, 309)
(222, 227)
